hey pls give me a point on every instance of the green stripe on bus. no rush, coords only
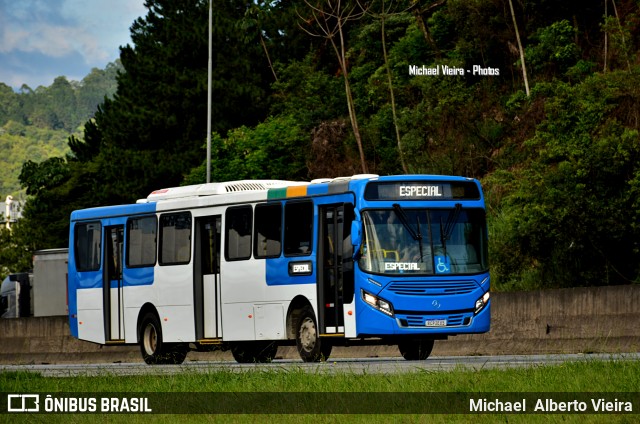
(277, 193)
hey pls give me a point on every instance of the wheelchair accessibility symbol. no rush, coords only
(443, 265)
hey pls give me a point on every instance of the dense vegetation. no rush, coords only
(36, 124)
(305, 89)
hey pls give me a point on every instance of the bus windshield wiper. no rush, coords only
(447, 229)
(416, 235)
(419, 237)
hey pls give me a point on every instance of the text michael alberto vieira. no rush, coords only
(437, 70)
(551, 405)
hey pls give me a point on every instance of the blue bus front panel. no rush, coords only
(413, 306)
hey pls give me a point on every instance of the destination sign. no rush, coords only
(300, 268)
(422, 190)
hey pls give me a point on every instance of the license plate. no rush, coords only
(435, 323)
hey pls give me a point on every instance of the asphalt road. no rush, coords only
(351, 365)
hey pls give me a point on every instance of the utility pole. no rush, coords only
(209, 72)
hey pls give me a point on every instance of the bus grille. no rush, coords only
(432, 288)
(457, 320)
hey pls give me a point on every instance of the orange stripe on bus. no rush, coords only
(295, 191)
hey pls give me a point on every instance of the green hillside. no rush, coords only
(36, 124)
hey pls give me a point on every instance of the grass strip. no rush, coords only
(571, 377)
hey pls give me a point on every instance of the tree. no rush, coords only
(559, 165)
(93, 89)
(572, 210)
(418, 12)
(15, 255)
(274, 149)
(520, 49)
(46, 213)
(151, 133)
(553, 49)
(382, 16)
(330, 20)
(9, 105)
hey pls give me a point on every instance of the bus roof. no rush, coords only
(218, 188)
(249, 190)
(212, 189)
(112, 211)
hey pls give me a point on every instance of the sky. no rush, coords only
(44, 39)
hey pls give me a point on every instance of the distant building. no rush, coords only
(10, 211)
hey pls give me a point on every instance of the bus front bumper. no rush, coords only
(375, 318)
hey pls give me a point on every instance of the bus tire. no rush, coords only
(254, 352)
(310, 347)
(154, 350)
(416, 349)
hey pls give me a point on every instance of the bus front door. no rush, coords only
(335, 265)
(206, 276)
(113, 291)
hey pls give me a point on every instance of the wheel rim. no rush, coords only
(150, 339)
(308, 334)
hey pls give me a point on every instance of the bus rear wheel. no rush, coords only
(416, 350)
(310, 347)
(154, 350)
(254, 352)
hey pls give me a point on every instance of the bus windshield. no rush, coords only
(424, 241)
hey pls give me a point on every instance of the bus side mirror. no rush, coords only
(356, 234)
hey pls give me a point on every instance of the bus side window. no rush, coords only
(238, 233)
(141, 241)
(87, 246)
(268, 231)
(298, 228)
(175, 238)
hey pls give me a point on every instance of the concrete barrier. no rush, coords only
(576, 320)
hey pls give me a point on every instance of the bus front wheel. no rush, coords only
(154, 350)
(416, 350)
(310, 347)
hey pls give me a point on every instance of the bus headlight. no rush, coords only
(380, 304)
(482, 302)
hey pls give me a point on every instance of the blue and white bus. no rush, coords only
(253, 265)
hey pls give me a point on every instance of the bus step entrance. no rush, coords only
(210, 341)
